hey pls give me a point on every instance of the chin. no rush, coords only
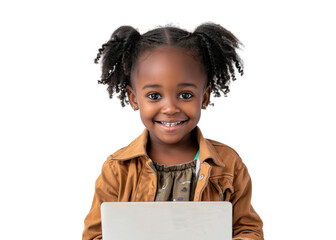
(173, 138)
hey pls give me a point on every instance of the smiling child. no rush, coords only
(168, 74)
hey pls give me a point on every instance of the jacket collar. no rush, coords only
(137, 148)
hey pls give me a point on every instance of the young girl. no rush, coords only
(168, 74)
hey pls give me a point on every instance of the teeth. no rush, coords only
(170, 124)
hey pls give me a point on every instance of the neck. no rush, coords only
(171, 154)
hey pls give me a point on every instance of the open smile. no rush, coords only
(170, 125)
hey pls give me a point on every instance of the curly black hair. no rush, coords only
(215, 46)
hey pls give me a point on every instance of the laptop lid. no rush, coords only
(166, 220)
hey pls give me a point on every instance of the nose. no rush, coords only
(170, 107)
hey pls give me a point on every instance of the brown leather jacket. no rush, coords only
(128, 175)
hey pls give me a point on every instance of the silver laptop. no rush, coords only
(166, 220)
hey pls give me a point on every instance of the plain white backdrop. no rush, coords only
(58, 125)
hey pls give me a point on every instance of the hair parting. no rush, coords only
(215, 46)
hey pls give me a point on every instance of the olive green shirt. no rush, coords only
(177, 182)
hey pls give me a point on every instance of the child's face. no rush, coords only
(169, 86)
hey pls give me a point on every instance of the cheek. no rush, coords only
(197, 114)
(194, 111)
(147, 112)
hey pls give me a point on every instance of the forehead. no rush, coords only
(172, 64)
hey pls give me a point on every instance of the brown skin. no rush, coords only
(169, 85)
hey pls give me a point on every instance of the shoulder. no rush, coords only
(223, 149)
(112, 163)
(129, 156)
(135, 149)
(114, 167)
(121, 159)
(116, 153)
(226, 156)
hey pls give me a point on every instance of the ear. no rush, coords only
(206, 97)
(132, 97)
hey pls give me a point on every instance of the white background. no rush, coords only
(58, 125)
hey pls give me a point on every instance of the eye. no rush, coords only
(154, 96)
(186, 95)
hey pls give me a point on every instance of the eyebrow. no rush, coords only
(187, 85)
(152, 86)
(159, 86)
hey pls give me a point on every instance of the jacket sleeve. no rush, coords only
(246, 222)
(106, 190)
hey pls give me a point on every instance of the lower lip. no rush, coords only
(172, 128)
